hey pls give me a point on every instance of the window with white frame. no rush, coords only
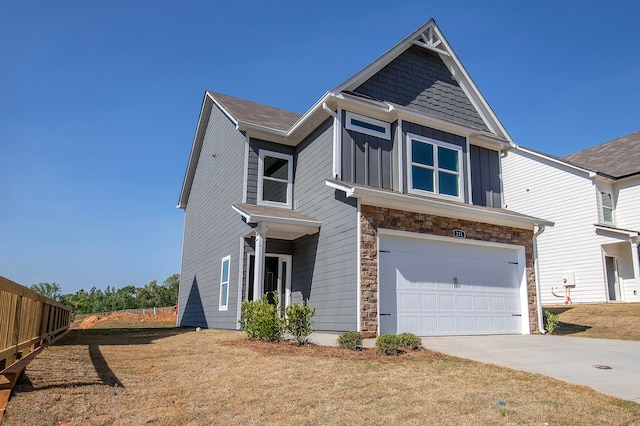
(367, 125)
(224, 284)
(606, 207)
(275, 178)
(434, 167)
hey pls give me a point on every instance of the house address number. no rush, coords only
(458, 233)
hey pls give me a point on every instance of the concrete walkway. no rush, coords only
(567, 358)
(572, 359)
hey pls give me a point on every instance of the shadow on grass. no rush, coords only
(93, 339)
(565, 329)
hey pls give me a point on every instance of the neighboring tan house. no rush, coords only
(381, 206)
(593, 196)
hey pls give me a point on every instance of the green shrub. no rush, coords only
(350, 340)
(550, 321)
(388, 344)
(298, 321)
(261, 319)
(409, 341)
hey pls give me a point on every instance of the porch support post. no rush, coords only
(635, 260)
(258, 275)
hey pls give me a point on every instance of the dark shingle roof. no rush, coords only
(255, 113)
(617, 158)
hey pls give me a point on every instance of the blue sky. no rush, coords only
(99, 101)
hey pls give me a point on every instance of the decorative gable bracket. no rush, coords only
(431, 41)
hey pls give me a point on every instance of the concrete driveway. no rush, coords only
(573, 359)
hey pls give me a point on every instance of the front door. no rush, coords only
(613, 280)
(276, 278)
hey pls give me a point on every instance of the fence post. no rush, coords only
(15, 338)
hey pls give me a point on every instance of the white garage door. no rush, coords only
(435, 287)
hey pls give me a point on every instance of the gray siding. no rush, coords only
(255, 145)
(419, 79)
(366, 159)
(212, 229)
(486, 183)
(439, 135)
(324, 267)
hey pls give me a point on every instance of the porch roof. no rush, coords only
(281, 223)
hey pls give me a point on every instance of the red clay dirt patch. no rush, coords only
(127, 319)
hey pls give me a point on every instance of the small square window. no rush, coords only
(434, 167)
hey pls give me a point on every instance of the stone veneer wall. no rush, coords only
(373, 218)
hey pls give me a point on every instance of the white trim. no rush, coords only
(239, 302)
(522, 268)
(245, 176)
(350, 116)
(338, 136)
(467, 171)
(400, 149)
(287, 284)
(461, 172)
(418, 204)
(261, 154)
(358, 267)
(224, 307)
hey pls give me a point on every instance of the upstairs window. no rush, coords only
(275, 178)
(368, 126)
(434, 167)
(224, 284)
(606, 210)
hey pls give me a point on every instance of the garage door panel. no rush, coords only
(445, 288)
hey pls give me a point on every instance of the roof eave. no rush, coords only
(398, 200)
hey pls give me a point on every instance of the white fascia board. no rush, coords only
(589, 173)
(401, 201)
(196, 147)
(223, 109)
(383, 60)
(624, 232)
(473, 92)
(254, 218)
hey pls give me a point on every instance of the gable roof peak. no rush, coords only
(429, 37)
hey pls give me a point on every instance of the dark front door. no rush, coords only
(270, 276)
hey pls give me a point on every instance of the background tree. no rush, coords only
(50, 290)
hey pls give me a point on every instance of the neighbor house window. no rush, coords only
(368, 126)
(275, 178)
(607, 207)
(434, 167)
(224, 284)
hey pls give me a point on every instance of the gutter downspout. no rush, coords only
(536, 273)
(336, 163)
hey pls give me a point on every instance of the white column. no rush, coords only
(636, 264)
(258, 267)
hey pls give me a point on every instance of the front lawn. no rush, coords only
(179, 376)
(603, 320)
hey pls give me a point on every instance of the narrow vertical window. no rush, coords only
(607, 207)
(224, 284)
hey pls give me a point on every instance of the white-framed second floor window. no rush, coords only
(606, 207)
(224, 284)
(434, 167)
(275, 178)
(367, 125)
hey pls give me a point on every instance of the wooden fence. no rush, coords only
(28, 321)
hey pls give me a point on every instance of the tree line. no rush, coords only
(114, 299)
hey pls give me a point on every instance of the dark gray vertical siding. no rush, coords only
(486, 184)
(366, 159)
(324, 267)
(438, 135)
(255, 145)
(212, 229)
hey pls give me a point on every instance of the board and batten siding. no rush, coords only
(540, 188)
(212, 228)
(486, 181)
(324, 265)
